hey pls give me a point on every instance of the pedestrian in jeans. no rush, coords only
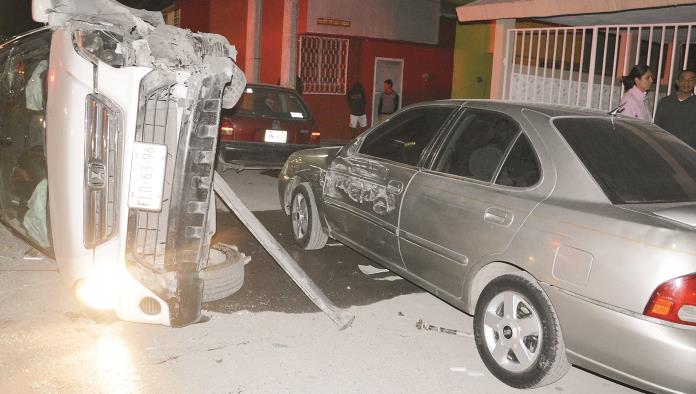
(388, 101)
(676, 113)
(636, 86)
(356, 103)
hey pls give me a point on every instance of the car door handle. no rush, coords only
(498, 216)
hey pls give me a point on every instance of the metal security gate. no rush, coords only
(324, 64)
(582, 66)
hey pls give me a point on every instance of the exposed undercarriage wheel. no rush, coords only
(224, 274)
(304, 215)
(517, 333)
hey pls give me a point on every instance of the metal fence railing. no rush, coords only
(582, 66)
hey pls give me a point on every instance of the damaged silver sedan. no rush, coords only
(570, 235)
(108, 131)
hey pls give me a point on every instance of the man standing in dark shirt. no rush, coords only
(676, 113)
(356, 103)
(388, 101)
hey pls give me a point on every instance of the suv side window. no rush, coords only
(24, 185)
(521, 168)
(477, 145)
(404, 137)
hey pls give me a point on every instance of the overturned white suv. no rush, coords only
(108, 131)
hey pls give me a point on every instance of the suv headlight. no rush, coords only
(102, 45)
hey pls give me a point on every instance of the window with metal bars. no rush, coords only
(323, 64)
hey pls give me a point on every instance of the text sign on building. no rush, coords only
(333, 22)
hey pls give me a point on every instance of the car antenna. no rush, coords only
(619, 109)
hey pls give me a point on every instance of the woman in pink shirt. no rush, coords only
(636, 86)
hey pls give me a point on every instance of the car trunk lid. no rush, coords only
(264, 129)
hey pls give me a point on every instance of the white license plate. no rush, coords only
(147, 176)
(276, 136)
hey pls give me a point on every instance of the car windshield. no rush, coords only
(632, 162)
(276, 103)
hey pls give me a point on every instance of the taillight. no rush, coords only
(226, 129)
(675, 301)
(314, 138)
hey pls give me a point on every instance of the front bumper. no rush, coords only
(640, 351)
(167, 249)
(256, 155)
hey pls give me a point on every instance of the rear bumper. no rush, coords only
(640, 351)
(252, 155)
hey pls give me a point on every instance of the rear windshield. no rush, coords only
(271, 102)
(632, 162)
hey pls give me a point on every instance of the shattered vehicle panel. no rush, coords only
(364, 181)
(132, 113)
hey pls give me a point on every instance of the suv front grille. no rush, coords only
(102, 177)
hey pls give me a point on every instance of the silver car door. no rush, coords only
(364, 185)
(484, 183)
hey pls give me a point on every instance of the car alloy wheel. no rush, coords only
(517, 332)
(300, 216)
(304, 215)
(512, 331)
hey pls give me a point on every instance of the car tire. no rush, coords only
(224, 275)
(517, 333)
(304, 217)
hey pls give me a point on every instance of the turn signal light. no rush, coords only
(674, 301)
(226, 129)
(315, 137)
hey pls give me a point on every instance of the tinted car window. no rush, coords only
(632, 162)
(520, 168)
(404, 137)
(262, 101)
(23, 173)
(477, 145)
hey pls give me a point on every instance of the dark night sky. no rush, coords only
(15, 15)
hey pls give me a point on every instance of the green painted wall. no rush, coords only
(472, 63)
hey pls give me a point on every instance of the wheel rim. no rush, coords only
(299, 216)
(512, 331)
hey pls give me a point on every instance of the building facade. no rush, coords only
(341, 42)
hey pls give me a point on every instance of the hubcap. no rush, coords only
(299, 216)
(512, 331)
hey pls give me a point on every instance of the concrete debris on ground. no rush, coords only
(371, 270)
(421, 325)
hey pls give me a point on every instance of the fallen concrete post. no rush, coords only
(342, 318)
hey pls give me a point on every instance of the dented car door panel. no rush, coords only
(362, 197)
(365, 184)
(473, 212)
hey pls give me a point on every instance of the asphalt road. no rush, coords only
(335, 268)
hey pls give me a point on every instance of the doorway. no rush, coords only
(386, 68)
